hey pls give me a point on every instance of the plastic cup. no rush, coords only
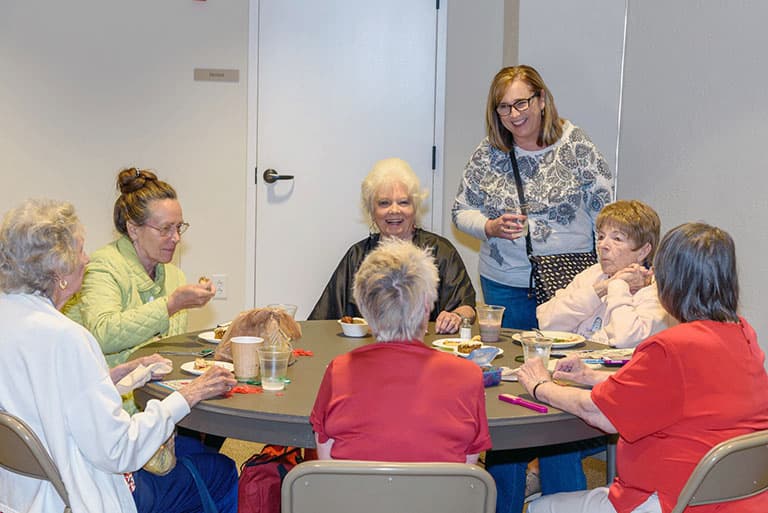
(489, 319)
(287, 307)
(245, 356)
(534, 345)
(274, 367)
(518, 211)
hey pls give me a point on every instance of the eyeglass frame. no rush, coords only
(521, 101)
(170, 229)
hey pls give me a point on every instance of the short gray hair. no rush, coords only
(395, 287)
(389, 172)
(38, 243)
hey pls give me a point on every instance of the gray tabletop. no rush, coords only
(283, 417)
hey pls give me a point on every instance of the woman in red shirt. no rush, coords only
(685, 390)
(397, 399)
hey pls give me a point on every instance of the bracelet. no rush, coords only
(537, 385)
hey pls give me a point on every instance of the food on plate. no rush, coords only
(203, 364)
(562, 340)
(477, 338)
(468, 347)
(352, 320)
(451, 343)
(203, 280)
(218, 333)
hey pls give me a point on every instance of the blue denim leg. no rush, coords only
(510, 485)
(520, 310)
(176, 492)
(562, 473)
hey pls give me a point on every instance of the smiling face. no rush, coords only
(151, 246)
(393, 211)
(525, 126)
(617, 250)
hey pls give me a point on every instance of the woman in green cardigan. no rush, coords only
(131, 293)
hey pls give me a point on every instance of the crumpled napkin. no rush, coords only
(139, 376)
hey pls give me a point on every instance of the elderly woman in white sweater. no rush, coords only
(614, 302)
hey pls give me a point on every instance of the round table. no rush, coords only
(283, 417)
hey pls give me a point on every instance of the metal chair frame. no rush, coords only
(731, 470)
(22, 452)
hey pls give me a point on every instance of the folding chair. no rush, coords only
(21, 451)
(377, 487)
(731, 470)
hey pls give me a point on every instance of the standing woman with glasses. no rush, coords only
(131, 293)
(565, 182)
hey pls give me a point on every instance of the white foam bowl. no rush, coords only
(356, 329)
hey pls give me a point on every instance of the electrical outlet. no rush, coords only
(220, 281)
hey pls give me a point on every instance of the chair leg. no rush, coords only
(610, 460)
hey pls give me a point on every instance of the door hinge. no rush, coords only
(434, 158)
(256, 175)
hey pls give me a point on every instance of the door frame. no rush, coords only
(438, 174)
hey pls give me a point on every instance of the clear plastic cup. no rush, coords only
(287, 307)
(274, 367)
(489, 320)
(534, 345)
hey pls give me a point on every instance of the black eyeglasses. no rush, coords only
(168, 230)
(505, 109)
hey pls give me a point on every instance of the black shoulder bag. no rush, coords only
(549, 273)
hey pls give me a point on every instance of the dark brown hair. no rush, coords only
(695, 269)
(138, 187)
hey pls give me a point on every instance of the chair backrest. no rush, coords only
(380, 487)
(731, 470)
(21, 451)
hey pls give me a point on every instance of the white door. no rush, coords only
(341, 84)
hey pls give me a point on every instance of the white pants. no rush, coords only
(590, 501)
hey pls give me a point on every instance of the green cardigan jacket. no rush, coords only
(121, 305)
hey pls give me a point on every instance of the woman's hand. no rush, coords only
(532, 372)
(450, 322)
(214, 382)
(118, 372)
(190, 296)
(506, 226)
(636, 277)
(574, 369)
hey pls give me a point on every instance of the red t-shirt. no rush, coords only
(401, 401)
(685, 390)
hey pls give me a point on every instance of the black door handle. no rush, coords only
(271, 176)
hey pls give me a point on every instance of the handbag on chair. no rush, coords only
(549, 273)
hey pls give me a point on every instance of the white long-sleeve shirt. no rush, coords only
(54, 377)
(619, 318)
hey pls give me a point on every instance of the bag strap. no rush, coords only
(521, 197)
(205, 497)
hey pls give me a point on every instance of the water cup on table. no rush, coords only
(489, 319)
(535, 345)
(274, 366)
(286, 307)
(245, 356)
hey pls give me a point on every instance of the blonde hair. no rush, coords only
(388, 172)
(551, 124)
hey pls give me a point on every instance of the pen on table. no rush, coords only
(513, 399)
(592, 360)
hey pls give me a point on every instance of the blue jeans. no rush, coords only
(176, 491)
(519, 309)
(560, 470)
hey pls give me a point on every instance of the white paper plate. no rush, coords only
(209, 336)
(452, 344)
(190, 367)
(568, 339)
